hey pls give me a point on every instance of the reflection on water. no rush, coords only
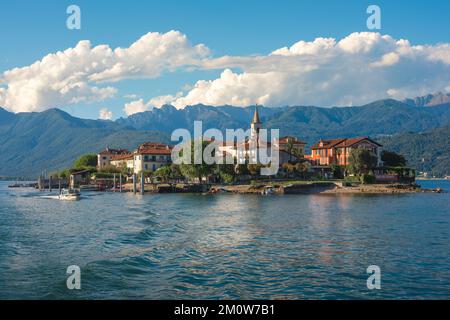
(225, 246)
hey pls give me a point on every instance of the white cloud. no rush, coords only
(136, 107)
(131, 96)
(389, 59)
(141, 106)
(105, 114)
(358, 69)
(75, 75)
(159, 101)
(150, 55)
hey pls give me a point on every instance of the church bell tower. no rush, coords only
(256, 124)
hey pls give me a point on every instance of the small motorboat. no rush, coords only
(267, 191)
(69, 195)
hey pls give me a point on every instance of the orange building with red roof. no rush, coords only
(337, 151)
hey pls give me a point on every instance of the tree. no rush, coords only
(193, 170)
(338, 171)
(147, 173)
(241, 169)
(302, 168)
(164, 173)
(392, 159)
(226, 172)
(362, 160)
(87, 161)
(290, 148)
(289, 168)
(110, 169)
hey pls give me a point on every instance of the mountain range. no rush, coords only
(429, 100)
(51, 140)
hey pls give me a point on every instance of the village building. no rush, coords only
(105, 156)
(123, 162)
(289, 148)
(80, 178)
(292, 145)
(337, 151)
(151, 156)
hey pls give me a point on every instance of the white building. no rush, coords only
(125, 161)
(289, 148)
(150, 156)
(105, 156)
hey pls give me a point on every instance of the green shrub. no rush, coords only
(226, 177)
(104, 175)
(367, 178)
(351, 179)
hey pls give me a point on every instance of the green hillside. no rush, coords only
(427, 152)
(50, 140)
(32, 142)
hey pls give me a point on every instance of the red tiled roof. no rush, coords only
(109, 151)
(294, 140)
(341, 143)
(352, 141)
(153, 145)
(327, 144)
(122, 157)
(154, 148)
(155, 151)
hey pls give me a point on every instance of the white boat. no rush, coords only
(267, 191)
(69, 195)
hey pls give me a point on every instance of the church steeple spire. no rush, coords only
(256, 116)
(256, 125)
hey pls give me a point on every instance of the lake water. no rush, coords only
(180, 246)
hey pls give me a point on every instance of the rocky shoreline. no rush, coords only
(323, 188)
(319, 187)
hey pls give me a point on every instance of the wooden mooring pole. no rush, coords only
(142, 183)
(134, 183)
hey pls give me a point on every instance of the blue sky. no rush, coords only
(30, 30)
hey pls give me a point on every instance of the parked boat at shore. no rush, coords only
(69, 195)
(22, 185)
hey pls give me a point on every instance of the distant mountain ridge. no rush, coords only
(429, 100)
(168, 118)
(49, 140)
(384, 117)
